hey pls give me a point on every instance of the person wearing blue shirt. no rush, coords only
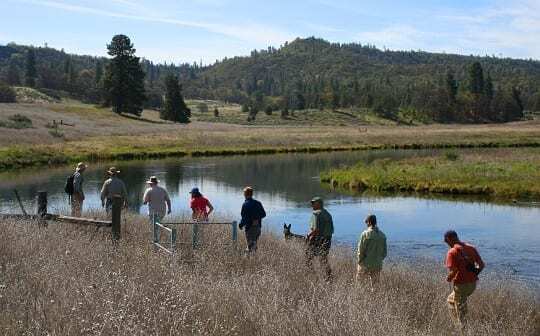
(252, 215)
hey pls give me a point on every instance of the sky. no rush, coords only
(208, 30)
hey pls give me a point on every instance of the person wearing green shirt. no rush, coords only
(320, 236)
(371, 252)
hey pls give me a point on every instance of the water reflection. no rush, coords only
(507, 236)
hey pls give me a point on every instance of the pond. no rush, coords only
(507, 236)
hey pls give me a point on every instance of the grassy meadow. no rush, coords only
(90, 133)
(499, 173)
(70, 280)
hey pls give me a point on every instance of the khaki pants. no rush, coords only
(364, 273)
(252, 235)
(77, 200)
(457, 301)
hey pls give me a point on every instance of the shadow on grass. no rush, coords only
(150, 121)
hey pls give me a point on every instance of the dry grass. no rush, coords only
(62, 280)
(99, 134)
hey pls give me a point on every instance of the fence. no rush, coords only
(43, 215)
(171, 230)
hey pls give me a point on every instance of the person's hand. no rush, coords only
(169, 212)
(102, 204)
(240, 226)
(449, 278)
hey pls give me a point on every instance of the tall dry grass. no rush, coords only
(70, 280)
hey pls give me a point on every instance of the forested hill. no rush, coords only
(313, 73)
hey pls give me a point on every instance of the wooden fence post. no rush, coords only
(41, 204)
(234, 231)
(117, 203)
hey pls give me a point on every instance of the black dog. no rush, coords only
(288, 234)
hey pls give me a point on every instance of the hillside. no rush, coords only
(315, 74)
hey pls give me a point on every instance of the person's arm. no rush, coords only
(262, 213)
(168, 201)
(104, 192)
(314, 227)
(77, 183)
(243, 215)
(478, 260)
(361, 253)
(210, 208)
(146, 197)
(451, 264)
(124, 194)
(385, 248)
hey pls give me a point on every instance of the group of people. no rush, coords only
(462, 260)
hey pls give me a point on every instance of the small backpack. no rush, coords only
(68, 188)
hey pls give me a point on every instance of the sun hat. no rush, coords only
(81, 165)
(113, 171)
(152, 179)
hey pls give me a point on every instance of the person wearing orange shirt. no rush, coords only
(464, 264)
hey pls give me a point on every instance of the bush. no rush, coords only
(202, 107)
(451, 155)
(17, 121)
(216, 112)
(7, 94)
(268, 110)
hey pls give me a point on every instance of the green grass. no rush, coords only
(492, 175)
(232, 113)
(16, 121)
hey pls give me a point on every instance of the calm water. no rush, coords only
(508, 237)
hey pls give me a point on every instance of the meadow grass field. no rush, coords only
(499, 173)
(70, 280)
(90, 133)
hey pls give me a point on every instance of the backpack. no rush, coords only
(68, 188)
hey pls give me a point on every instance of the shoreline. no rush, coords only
(16, 157)
(504, 179)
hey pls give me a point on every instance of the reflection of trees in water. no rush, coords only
(293, 176)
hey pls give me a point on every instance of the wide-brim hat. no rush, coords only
(152, 179)
(113, 171)
(81, 165)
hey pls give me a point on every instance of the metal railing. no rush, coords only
(170, 228)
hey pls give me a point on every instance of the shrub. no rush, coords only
(202, 107)
(17, 121)
(268, 110)
(216, 112)
(451, 155)
(7, 94)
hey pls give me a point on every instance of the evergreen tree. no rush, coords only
(30, 70)
(488, 88)
(476, 79)
(175, 107)
(451, 86)
(99, 72)
(13, 77)
(124, 78)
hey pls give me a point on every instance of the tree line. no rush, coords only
(304, 74)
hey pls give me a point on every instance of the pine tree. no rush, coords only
(488, 87)
(30, 71)
(451, 86)
(476, 79)
(175, 107)
(124, 78)
(99, 72)
(12, 76)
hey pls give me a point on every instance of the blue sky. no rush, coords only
(188, 31)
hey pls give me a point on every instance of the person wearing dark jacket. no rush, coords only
(252, 215)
